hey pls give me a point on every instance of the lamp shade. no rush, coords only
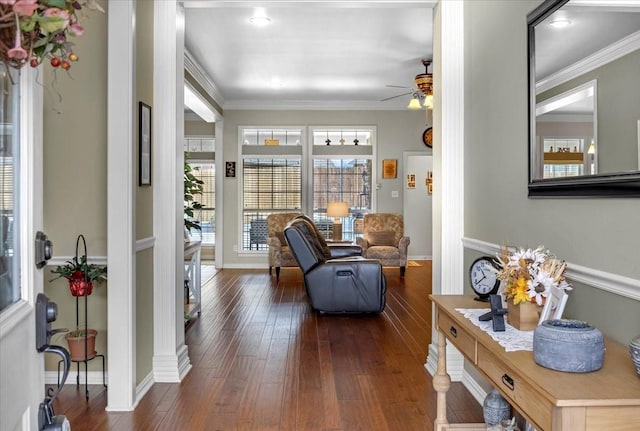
(337, 209)
(414, 104)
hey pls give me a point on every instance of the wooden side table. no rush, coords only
(607, 399)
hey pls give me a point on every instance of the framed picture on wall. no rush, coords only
(230, 169)
(144, 144)
(411, 181)
(389, 168)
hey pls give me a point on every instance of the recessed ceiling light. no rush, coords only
(560, 23)
(260, 17)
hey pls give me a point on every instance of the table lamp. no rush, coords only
(337, 210)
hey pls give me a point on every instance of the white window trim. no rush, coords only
(30, 172)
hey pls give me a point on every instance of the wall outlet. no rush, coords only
(394, 194)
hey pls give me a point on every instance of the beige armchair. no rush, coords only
(383, 239)
(279, 253)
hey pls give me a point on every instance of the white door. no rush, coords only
(21, 366)
(417, 204)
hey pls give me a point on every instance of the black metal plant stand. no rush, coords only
(86, 329)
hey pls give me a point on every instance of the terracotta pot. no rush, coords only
(523, 316)
(77, 346)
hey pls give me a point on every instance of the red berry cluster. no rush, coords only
(56, 61)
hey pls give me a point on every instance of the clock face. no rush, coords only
(484, 279)
(427, 137)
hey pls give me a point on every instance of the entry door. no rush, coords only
(21, 366)
(417, 205)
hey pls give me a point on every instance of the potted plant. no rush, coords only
(76, 339)
(192, 186)
(81, 275)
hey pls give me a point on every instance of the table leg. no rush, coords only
(441, 383)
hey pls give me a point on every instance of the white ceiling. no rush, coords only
(326, 54)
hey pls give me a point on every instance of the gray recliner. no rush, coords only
(341, 285)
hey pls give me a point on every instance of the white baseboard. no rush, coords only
(473, 387)
(93, 377)
(171, 368)
(432, 360)
(455, 362)
(143, 387)
(246, 266)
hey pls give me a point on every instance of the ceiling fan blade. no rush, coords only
(398, 86)
(399, 95)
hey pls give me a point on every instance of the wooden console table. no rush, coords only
(607, 399)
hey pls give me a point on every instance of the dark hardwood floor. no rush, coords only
(263, 360)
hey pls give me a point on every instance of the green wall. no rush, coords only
(601, 234)
(75, 172)
(144, 197)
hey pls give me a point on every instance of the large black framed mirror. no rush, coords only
(584, 99)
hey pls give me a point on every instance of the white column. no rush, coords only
(120, 212)
(448, 171)
(170, 355)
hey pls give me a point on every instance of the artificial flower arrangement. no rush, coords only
(81, 275)
(530, 274)
(35, 30)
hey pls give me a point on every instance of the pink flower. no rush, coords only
(76, 29)
(55, 12)
(54, 20)
(25, 7)
(17, 51)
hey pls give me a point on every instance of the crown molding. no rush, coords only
(308, 105)
(606, 55)
(193, 67)
(188, 4)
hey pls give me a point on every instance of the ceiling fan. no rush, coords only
(423, 91)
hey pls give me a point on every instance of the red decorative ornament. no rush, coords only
(78, 286)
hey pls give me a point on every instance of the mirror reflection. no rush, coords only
(586, 99)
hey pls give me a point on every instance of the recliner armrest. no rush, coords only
(363, 243)
(344, 250)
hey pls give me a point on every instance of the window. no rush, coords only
(271, 180)
(342, 170)
(9, 191)
(200, 155)
(563, 157)
(205, 171)
(342, 180)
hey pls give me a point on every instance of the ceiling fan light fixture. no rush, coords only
(424, 81)
(428, 101)
(414, 103)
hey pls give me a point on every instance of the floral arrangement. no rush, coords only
(81, 275)
(34, 30)
(530, 274)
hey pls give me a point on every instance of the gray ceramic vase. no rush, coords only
(568, 345)
(495, 408)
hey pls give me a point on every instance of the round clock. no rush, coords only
(427, 137)
(483, 277)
